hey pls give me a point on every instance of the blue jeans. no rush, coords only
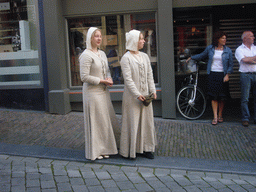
(248, 82)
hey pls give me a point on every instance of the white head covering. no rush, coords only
(132, 39)
(89, 37)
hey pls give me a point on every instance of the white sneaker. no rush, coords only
(106, 156)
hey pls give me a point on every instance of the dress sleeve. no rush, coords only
(85, 66)
(126, 70)
(150, 78)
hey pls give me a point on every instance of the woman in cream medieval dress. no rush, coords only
(138, 131)
(101, 126)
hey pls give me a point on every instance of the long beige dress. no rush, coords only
(100, 123)
(138, 131)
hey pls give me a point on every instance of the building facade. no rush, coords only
(58, 32)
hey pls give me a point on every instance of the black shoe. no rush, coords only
(245, 123)
(149, 155)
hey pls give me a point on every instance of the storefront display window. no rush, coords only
(113, 29)
(19, 59)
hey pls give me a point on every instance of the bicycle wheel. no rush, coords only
(188, 109)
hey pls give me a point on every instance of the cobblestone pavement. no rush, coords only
(47, 175)
(176, 138)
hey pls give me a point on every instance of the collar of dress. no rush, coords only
(135, 58)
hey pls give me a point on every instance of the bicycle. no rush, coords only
(191, 101)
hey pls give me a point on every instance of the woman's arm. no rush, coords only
(230, 62)
(127, 74)
(200, 56)
(85, 66)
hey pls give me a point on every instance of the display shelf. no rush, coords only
(6, 30)
(9, 37)
(19, 55)
(20, 83)
(13, 21)
(4, 12)
(19, 70)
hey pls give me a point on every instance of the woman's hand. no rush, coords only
(155, 96)
(108, 81)
(226, 78)
(188, 59)
(141, 98)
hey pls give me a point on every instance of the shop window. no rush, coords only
(193, 33)
(19, 63)
(113, 29)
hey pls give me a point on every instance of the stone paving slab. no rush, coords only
(176, 138)
(102, 177)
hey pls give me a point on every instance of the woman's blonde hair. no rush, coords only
(93, 34)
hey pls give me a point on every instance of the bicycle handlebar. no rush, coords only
(201, 63)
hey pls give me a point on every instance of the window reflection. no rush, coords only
(193, 33)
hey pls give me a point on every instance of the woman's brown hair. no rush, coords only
(217, 35)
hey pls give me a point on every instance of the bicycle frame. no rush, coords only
(193, 96)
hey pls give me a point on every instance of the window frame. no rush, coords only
(116, 87)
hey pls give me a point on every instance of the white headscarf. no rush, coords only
(89, 37)
(132, 39)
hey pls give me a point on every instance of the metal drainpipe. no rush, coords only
(43, 54)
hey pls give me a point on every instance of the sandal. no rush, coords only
(220, 119)
(215, 121)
